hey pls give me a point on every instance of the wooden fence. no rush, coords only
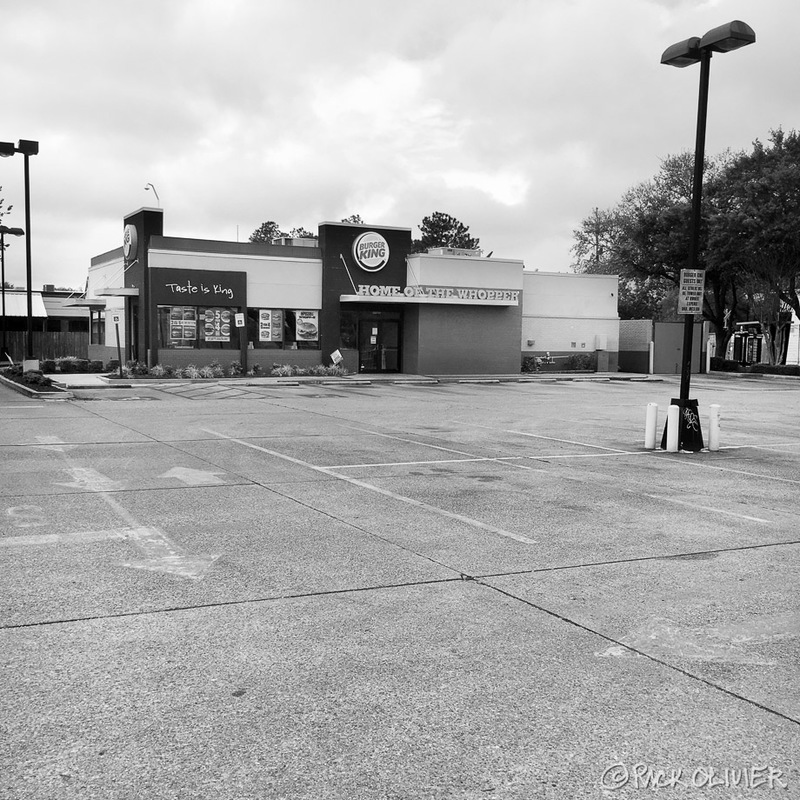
(49, 344)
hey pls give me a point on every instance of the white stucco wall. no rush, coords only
(563, 311)
(272, 282)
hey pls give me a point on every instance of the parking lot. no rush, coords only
(398, 590)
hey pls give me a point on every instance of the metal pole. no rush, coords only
(29, 337)
(697, 197)
(3, 278)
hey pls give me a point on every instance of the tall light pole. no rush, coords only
(723, 39)
(11, 232)
(150, 186)
(28, 148)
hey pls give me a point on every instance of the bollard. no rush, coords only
(650, 422)
(673, 428)
(713, 428)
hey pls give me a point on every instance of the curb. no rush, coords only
(59, 394)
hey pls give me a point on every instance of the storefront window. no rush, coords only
(265, 328)
(192, 327)
(348, 332)
(98, 327)
(290, 329)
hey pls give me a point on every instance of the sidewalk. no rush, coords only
(102, 381)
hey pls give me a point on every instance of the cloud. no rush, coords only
(517, 117)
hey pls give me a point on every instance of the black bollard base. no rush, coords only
(690, 437)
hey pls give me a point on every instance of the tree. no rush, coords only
(756, 232)
(266, 232)
(442, 230)
(355, 219)
(645, 240)
(302, 233)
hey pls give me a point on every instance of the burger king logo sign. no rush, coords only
(371, 251)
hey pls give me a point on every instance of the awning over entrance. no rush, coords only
(17, 304)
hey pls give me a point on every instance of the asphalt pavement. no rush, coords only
(394, 590)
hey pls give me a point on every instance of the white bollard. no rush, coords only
(673, 428)
(650, 422)
(713, 428)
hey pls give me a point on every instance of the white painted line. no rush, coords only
(553, 439)
(385, 492)
(770, 478)
(702, 507)
(76, 537)
(409, 441)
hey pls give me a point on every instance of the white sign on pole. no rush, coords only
(115, 318)
(690, 291)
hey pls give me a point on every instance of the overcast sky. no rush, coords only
(516, 116)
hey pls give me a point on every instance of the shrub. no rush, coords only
(95, 366)
(724, 364)
(580, 361)
(112, 366)
(158, 371)
(48, 365)
(67, 364)
(136, 368)
(235, 369)
(191, 371)
(775, 369)
(531, 364)
(216, 370)
(81, 365)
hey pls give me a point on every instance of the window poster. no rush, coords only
(270, 325)
(182, 326)
(217, 324)
(307, 326)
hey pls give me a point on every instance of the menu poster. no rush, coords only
(182, 326)
(307, 326)
(216, 324)
(270, 325)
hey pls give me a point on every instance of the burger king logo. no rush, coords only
(371, 251)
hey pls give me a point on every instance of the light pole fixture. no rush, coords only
(11, 232)
(694, 50)
(150, 186)
(28, 148)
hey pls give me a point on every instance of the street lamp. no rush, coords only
(150, 186)
(11, 232)
(27, 148)
(723, 39)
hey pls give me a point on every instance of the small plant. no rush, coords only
(235, 369)
(136, 368)
(191, 371)
(158, 371)
(255, 370)
(68, 364)
(216, 370)
(112, 366)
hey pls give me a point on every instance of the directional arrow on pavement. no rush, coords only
(193, 477)
(161, 554)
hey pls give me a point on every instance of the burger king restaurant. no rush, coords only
(355, 296)
(356, 293)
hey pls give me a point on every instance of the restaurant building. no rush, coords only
(355, 293)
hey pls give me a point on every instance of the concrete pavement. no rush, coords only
(398, 591)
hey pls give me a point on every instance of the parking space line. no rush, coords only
(474, 523)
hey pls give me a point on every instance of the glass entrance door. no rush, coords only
(379, 345)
